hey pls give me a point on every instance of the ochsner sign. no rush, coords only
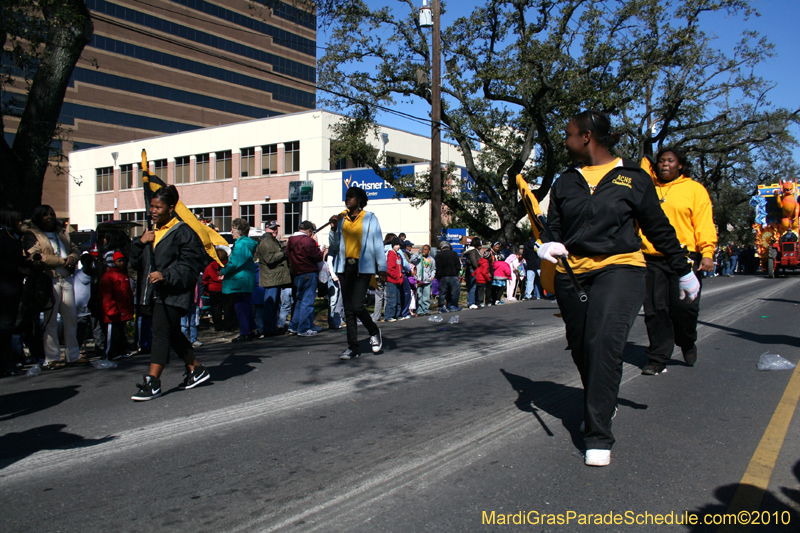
(374, 185)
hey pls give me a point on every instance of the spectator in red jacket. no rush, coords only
(394, 280)
(221, 304)
(483, 279)
(116, 295)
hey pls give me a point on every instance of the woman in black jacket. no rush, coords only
(11, 279)
(170, 267)
(594, 212)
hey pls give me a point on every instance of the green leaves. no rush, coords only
(521, 69)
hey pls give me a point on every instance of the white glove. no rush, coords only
(551, 251)
(689, 286)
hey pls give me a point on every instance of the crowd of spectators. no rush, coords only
(66, 306)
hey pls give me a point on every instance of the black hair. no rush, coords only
(168, 195)
(600, 126)
(10, 219)
(679, 153)
(39, 213)
(476, 242)
(388, 238)
(359, 194)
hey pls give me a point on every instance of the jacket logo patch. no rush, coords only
(625, 181)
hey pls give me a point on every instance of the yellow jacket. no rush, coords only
(688, 208)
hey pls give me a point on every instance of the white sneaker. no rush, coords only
(197, 344)
(473, 306)
(376, 341)
(597, 457)
(309, 333)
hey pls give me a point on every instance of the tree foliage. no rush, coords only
(42, 42)
(517, 70)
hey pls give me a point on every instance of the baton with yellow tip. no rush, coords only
(538, 219)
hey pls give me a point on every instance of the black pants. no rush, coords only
(116, 339)
(221, 304)
(597, 331)
(497, 292)
(8, 317)
(354, 295)
(669, 319)
(89, 325)
(167, 334)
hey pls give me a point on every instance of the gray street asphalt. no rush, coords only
(449, 424)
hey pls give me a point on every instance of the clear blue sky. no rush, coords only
(779, 22)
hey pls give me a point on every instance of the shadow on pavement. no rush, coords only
(17, 446)
(786, 340)
(28, 402)
(234, 366)
(771, 509)
(557, 400)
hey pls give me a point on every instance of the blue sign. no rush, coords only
(454, 236)
(468, 185)
(375, 186)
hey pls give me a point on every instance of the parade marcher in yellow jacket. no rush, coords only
(595, 210)
(669, 319)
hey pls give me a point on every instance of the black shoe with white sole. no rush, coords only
(349, 354)
(149, 389)
(654, 368)
(194, 378)
(376, 341)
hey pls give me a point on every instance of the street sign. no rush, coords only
(301, 191)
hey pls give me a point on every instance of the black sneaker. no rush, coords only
(376, 341)
(194, 378)
(349, 354)
(149, 389)
(653, 369)
(690, 355)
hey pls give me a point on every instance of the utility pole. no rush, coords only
(436, 130)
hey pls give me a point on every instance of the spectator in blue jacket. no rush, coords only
(238, 277)
(356, 244)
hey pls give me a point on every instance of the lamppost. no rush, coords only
(428, 19)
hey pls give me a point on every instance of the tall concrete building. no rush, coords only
(158, 67)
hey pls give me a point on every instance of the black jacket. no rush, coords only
(179, 257)
(605, 223)
(447, 264)
(531, 257)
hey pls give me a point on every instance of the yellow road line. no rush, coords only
(756, 478)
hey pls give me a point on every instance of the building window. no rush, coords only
(126, 177)
(137, 216)
(224, 165)
(105, 179)
(269, 212)
(269, 159)
(248, 212)
(161, 169)
(220, 216)
(291, 217)
(105, 217)
(292, 157)
(201, 172)
(182, 169)
(248, 162)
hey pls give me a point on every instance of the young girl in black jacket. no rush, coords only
(167, 287)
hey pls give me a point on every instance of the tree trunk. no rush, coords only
(26, 162)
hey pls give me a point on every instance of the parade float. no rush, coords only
(776, 226)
